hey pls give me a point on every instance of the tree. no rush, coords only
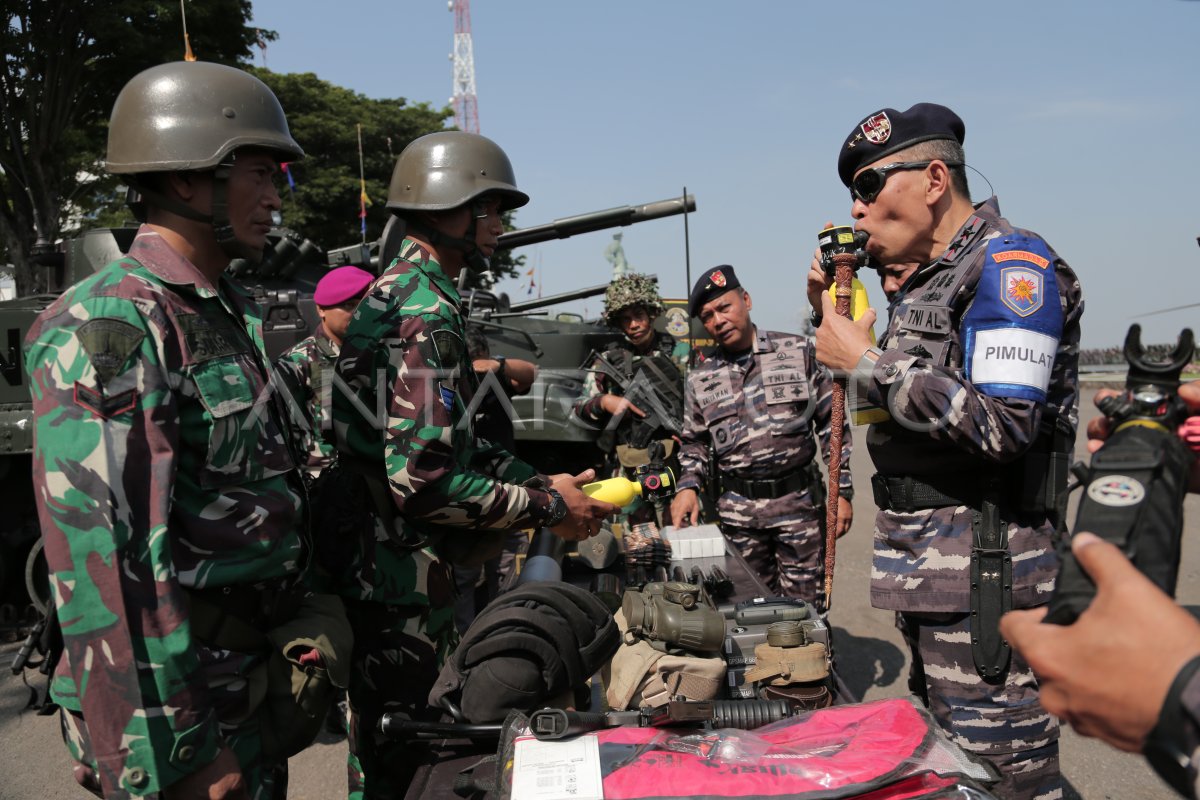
(324, 119)
(63, 64)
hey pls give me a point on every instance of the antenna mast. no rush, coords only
(466, 110)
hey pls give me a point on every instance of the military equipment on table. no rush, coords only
(283, 283)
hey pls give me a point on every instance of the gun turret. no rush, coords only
(596, 221)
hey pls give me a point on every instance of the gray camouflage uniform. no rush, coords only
(763, 413)
(977, 367)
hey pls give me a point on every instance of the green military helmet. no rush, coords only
(632, 289)
(447, 169)
(190, 115)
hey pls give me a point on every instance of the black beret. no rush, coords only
(714, 283)
(888, 131)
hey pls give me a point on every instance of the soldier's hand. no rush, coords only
(685, 508)
(614, 405)
(845, 516)
(818, 280)
(221, 779)
(1099, 428)
(584, 514)
(1085, 670)
(841, 342)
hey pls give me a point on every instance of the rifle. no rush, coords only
(550, 724)
(657, 414)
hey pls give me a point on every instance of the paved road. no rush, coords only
(872, 660)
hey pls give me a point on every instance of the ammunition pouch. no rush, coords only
(631, 457)
(289, 690)
(798, 480)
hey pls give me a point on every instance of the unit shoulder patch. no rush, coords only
(109, 343)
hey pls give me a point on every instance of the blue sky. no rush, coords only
(1084, 116)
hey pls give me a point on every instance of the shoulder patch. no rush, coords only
(1012, 328)
(103, 406)
(108, 344)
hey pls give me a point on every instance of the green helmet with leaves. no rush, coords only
(632, 289)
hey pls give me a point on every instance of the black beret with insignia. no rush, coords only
(889, 131)
(713, 283)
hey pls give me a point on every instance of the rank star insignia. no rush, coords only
(854, 142)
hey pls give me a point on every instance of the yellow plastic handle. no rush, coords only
(618, 491)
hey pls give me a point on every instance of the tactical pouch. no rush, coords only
(991, 591)
(290, 698)
(640, 675)
(299, 694)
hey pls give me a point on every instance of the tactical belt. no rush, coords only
(909, 494)
(767, 488)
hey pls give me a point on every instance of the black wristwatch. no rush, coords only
(846, 492)
(816, 318)
(556, 512)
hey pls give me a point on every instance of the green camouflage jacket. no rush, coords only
(408, 407)
(160, 462)
(307, 372)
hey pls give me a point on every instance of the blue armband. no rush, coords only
(1012, 329)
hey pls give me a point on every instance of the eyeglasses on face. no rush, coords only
(867, 184)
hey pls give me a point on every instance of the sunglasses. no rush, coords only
(867, 185)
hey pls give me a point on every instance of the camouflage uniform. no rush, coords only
(306, 371)
(404, 359)
(964, 374)
(763, 413)
(161, 464)
(665, 350)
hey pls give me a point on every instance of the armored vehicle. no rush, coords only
(283, 284)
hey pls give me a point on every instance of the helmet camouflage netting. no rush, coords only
(633, 289)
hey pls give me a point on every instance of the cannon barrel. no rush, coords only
(562, 297)
(596, 221)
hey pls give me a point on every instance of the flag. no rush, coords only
(363, 202)
(291, 182)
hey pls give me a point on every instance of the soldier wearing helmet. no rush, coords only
(440, 496)
(170, 500)
(633, 391)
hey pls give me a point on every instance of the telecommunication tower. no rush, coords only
(466, 110)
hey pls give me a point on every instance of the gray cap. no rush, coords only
(448, 169)
(190, 115)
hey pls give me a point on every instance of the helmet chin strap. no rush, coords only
(219, 218)
(472, 255)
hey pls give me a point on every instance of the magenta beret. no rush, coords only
(340, 285)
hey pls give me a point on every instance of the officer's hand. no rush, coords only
(818, 281)
(685, 508)
(1099, 428)
(845, 516)
(219, 780)
(841, 341)
(614, 405)
(584, 513)
(1106, 677)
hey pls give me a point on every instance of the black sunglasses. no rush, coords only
(867, 184)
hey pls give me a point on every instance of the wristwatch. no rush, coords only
(556, 512)
(846, 492)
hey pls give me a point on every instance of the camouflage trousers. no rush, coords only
(1002, 722)
(263, 781)
(398, 651)
(789, 559)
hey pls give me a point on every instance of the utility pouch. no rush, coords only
(991, 590)
(300, 689)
